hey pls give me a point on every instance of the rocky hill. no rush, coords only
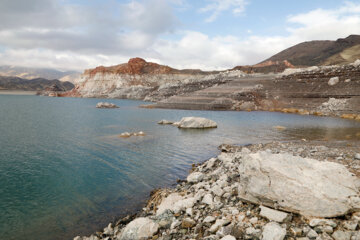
(38, 84)
(315, 53)
(32, 73)
(306, 54)
(139, 79)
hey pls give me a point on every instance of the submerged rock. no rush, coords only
(165, 122)
(127, 134)
(293, 184)
(333, 81)
(106, 105)
(195, 122)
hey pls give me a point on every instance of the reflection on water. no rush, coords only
(64, 171)
(346, 133)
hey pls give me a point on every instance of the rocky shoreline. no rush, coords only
(280, 190)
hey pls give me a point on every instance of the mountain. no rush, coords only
(38, 84)
(138, 66)
(139, 79)
(32, 73)
(316, 53)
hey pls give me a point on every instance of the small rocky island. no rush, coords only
(106, 105)
(191, 123)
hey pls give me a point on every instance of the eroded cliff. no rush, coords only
(143, 80)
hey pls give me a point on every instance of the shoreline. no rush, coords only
(184, 222)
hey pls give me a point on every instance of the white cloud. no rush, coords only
(322, 24)
(107, 28)
(137, 33)
(216, 7)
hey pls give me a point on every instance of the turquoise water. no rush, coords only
(65, 172)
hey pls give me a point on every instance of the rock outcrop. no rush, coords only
(301, 185)
(143, 80)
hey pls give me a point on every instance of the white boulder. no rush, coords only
(296, 184)
(140, 228)
(195, 122)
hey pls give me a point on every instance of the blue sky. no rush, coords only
(206, 34)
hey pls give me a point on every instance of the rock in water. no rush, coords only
(165, 122)
(296, 184)
(106, 105)
(195, 122)
(333, 81)
(140, 228)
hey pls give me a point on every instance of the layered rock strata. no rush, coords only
(143, 80)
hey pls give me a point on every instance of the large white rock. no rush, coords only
(195, 122)
(273, 231)
(296, 184)
(140, 228)
(175, 203)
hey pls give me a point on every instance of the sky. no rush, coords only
(201, 34)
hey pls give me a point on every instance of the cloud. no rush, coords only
(216, 7)
(326, 24)
(198, 50)
(108, 27)
(109, 34)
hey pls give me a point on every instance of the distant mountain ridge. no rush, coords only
(316, 53)
(312, 53)
(33, 73)
(38, 84)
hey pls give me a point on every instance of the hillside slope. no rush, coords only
(39, 84)
(315, 53)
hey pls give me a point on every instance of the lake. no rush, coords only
(65, 172)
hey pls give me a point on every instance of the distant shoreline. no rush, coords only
(17, 92)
